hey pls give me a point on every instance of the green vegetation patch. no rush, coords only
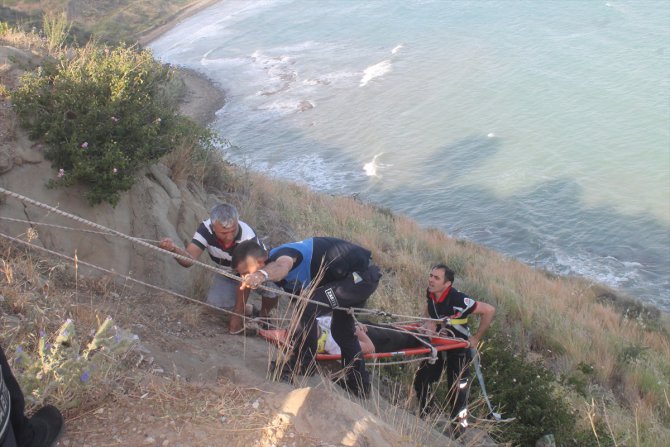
(103, 113)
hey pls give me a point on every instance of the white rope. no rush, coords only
(194, 261)
(397, 362)
(150, 246)
(82, 230)
(102, 269)
(201, 303)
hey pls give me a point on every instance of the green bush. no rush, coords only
(103, 113)
(524, 391)
(4, 28)
(60, 370)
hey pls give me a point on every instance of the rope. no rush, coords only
(433, 351)
(226, 311)
(102, 269)
(150, 246)
(83, 230)
(194, 261)
(397, 362)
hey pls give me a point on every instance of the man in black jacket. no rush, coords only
(16, 430)
(340, 274)
(444, 302)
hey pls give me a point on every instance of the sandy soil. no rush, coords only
(195, 385)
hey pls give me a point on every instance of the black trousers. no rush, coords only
(386, 339)
(18, 422)
(457, 362)
(351, 291)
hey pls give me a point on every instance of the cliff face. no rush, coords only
(155, 207)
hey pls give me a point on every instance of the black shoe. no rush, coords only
(263, 323)
(285, 375)
(456, 430)
(44, 428)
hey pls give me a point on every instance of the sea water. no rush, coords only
(539, 129)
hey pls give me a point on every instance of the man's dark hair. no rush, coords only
(448, 273)
(246, 249)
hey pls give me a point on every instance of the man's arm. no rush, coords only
(192, 251)
(235, 322)
(275, 271)
(486, 313)
(367, 347)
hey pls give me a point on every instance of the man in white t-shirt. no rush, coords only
(326, 344)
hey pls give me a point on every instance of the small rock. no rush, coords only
(149, 440)
(305, 105)
(166, 442)
(546, 441)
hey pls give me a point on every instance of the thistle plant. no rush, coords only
(60, 370)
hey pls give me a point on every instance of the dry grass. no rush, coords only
(565, 321)
(560, 319)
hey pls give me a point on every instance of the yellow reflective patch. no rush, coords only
(321, 342)
(458, 321)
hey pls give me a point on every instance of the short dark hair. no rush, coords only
(246, 249)
(448, 273)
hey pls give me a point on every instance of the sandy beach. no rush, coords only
(202, 97)
(184, 13)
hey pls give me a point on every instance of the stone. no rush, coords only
(546, 441)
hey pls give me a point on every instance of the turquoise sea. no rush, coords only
(538, 128)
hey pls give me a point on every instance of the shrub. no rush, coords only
(527, 392)
(61, 371)
(4, 28)
(103, 114)
(56, 30)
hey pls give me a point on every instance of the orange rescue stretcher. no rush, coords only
(280, 337)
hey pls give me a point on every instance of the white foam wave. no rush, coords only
(375, 71)
(311, 170)
(276, 72)
(287, 107)
(296, 48)
(205, 61)
(397, 48)
(607, 269)
(371, 168)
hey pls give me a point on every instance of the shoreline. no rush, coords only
(187, 11)
(204, 98)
